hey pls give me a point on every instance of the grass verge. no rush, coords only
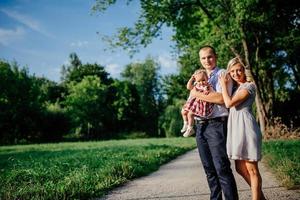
(283, 157)
(81, 170)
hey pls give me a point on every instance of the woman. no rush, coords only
(244, 136)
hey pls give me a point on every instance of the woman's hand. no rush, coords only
(224, 79)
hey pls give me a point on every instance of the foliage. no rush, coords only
(19, 102)
(265, 33)
(85, 104)
(171, 120)
(88, 104)
(24, 117)
(283, 157)
(126, 105)
(286, 109)
(49, 91)
(81, 170)
(76, 71)
(55, 123)
(144, 77)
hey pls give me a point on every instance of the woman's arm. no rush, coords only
(237, 98)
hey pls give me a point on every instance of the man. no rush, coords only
(211, 133)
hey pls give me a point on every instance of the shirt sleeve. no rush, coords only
(229, 85)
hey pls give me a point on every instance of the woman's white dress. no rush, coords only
(244, 137)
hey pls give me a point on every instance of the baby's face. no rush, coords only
(201, 78)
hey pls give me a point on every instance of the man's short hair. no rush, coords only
(208, 47)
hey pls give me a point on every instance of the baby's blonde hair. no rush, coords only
(199, 71)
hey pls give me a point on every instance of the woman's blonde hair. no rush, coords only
(238, 60)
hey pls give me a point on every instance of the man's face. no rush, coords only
(207, 58)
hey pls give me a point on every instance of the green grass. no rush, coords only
(283, 156)
(81, 170)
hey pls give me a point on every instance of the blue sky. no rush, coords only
(41, 34)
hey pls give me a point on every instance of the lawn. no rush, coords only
(283, 157)
(81, 170)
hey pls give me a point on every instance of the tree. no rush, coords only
(20, 105)
(144, 77)
(76, 71)
(259, 31)
(171, 120)
(125, 105)
(86, 104)
(50, 91)
(24, 116)
(75, 63)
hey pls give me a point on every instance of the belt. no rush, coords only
(206, 121)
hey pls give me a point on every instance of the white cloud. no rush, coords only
(27, 21)
(79, 44)
(113, 69)
(168, 64)
(9, 35)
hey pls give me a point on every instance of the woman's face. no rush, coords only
(237, 73)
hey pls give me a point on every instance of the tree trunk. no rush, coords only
(260, 106)
(263, 120)
(261, 112)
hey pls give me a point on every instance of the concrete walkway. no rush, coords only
(184, 179)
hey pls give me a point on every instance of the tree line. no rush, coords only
(89, 104)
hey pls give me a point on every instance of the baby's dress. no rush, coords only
(244, 137)
(189, 102)
(199, 107)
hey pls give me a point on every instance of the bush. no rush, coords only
(171, 120)
(278, 130)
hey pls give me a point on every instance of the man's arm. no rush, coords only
(212, 97)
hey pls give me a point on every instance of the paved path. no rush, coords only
(184, 179)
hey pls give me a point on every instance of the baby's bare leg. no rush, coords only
(184, 115)
(190, 117)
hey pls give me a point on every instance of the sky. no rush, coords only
(41, 34)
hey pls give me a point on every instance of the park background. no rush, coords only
(84, 102)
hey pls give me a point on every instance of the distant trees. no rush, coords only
(144, 77)
(100, 106)
(76, 71)
(87, 104)
(24, 114)
(126, 106)
(91, 104)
